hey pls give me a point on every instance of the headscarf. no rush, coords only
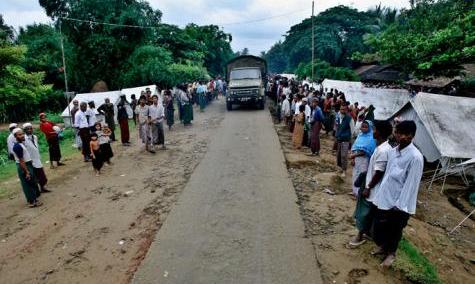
(365, 141)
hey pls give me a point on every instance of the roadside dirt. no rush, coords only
(98, 229)
(329, 223)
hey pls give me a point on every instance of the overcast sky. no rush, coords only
(238, 17)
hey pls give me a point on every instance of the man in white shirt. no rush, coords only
(396, 197)
(31, 144)
(81, 123)
(285, 109)
(364, 212)
(11, 140)
(91, 115)
(157, 114)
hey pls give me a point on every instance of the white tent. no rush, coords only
(98, 98)
(137, 90)
(385, 101)
(445, 126)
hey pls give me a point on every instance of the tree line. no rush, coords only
(31, 67)
(430, 38)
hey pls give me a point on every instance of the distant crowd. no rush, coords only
(94, 129)
(387, 166)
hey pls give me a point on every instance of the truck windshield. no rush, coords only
(246, 74)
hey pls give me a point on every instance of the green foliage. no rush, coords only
(324, 70)
(44, 52)
(339, 32)
(21, 93)
(415, 266)
(147, 64)
(186, 73)
(434, 38)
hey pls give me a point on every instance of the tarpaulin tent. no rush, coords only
(446, 125)
(385, 101)
(97, 98)
(445, 131)
(137, 90)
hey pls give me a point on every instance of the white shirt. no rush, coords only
(31, 144)
(308, 112)
(80, 119)
(92, 116)
(378, 162)
(10, 142)
(400, 183)
(157, 113)
(26, 154)
(286, 107)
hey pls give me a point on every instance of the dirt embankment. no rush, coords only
(98, 229)
(327, 211)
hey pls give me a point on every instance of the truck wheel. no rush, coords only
(229, 106)
(261, 105)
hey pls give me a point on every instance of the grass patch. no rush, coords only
(415, 266)
(8, 168)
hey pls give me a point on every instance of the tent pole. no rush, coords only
(459, 224)
(64, 71)
(433, 176)
(445, 176)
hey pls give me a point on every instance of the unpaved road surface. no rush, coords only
(98, 229)
(237, 220)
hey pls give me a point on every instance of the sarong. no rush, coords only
(98, 160)
(187, 113)
(30, 187)
(106, 152)
(315, 139)
(144, 133)
(41, 177)
(361, 165)
(85, 135)
(54, 150)
(170, 117)
(124, 131)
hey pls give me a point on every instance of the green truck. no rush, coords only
(246, 76)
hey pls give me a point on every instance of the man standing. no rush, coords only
(343, 137)
(81, 123)
(31, 144)
(91, 116)
(11, 141)
(157, 114)
(107, 109)
(25, 169)
(133, 105)
(316, 124)
(53, 141)
(396, 198)
(123, 119)
(142, 113)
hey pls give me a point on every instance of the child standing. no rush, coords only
(96, 154)
(103, 134)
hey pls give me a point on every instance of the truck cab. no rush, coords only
(246, 81)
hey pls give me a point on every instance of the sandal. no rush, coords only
(355, 244)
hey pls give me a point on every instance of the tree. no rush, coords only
(6, 32)
(434, 38)
(21, 93)
(44, 53)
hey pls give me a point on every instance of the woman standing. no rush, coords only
(46, 127)
(361, 152)
(297, 136)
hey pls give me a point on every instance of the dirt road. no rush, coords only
(237, 220)
(97, 230)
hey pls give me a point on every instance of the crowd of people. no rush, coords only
(387, 166)
(95, 128)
